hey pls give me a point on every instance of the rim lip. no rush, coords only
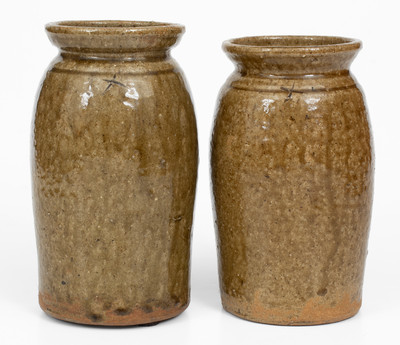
(114, 27)
(238, 47)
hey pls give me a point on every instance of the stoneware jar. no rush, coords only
(292, 173)
(114, 166)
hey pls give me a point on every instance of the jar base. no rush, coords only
(133, 317)
(311, 315)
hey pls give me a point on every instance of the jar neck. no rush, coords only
(288, 66)
(149, 56)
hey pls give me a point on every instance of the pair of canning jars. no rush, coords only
(114, 166)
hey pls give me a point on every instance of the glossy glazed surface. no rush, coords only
(292, 173)
(114, 175)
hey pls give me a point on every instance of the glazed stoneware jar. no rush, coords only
(292, 173)
(114, 166)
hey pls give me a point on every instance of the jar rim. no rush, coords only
(107, 27)
(114, 39)
(290, 45)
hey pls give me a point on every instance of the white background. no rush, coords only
(25, 54)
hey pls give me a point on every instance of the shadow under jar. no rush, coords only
(292, 175)
(114, 168)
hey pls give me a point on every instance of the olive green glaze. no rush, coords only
(114, 175)
(292, 173)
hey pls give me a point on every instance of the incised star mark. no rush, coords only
(112, 82)
(290, 92)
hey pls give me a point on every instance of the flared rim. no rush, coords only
(290, 45)
(114, 38)
(114, 27)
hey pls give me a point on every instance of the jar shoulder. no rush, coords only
(256, 126)
(83, 86)
(248, 100)
(104, 66)
(117, 111)
(296, 83)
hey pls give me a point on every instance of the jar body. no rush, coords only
(114, 175)
(292, 172)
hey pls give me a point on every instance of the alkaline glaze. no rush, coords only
(114, 171)
(292, 174)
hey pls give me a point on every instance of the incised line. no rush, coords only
(112, 82)
(290, 92)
